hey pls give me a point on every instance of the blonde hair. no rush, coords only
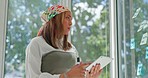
(53, 32)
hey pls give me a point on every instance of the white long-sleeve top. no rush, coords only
(34, 52)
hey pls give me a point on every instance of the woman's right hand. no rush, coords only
(77, 71)
(94, 72)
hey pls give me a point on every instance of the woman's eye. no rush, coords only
(68, 18)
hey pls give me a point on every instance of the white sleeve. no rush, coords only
(33, 63)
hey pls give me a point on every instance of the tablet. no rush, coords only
(102, 60)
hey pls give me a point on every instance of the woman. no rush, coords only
(52, 36)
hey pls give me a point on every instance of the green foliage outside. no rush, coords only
(90, 34)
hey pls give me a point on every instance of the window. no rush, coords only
(90, 30)
(22, 25)
(132, 37)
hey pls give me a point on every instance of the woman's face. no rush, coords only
(67, 22)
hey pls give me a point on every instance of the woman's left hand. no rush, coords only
(94, 72)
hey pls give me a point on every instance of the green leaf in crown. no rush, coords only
(51, 15)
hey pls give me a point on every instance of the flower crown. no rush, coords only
(53, 11)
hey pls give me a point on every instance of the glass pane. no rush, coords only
(133, 34)
(90, 30)
(23, 24)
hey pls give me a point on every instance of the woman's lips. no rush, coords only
(68, 28)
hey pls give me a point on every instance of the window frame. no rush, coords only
(113, 38)
(3, 23)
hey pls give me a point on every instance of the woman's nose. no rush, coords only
(70, 23)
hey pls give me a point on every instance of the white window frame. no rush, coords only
(3, 23)
(113, 38)
(66, 3)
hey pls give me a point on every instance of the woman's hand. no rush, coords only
(94, 72)
(78, 71)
